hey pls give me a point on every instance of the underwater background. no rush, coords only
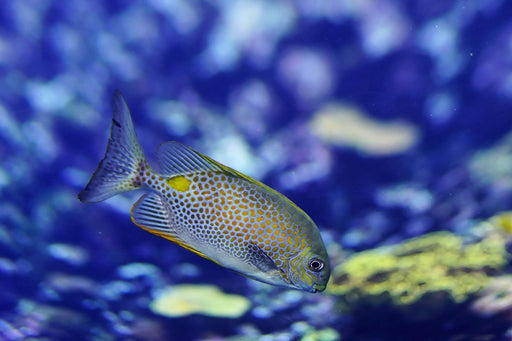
(388, 122)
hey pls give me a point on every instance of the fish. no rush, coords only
(211, 209)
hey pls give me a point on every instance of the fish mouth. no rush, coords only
(317, 288)
(312, 289)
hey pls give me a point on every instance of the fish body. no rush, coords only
(211, 210)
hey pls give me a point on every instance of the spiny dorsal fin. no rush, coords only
(177, 158)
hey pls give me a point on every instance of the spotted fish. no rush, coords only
(211, 209)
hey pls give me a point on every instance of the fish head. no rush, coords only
(309, 270)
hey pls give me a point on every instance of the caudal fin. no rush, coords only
(118, 170)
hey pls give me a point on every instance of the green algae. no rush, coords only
(422, 276)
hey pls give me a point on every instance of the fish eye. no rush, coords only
(316, 264)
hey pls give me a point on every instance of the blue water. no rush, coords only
(241, 81)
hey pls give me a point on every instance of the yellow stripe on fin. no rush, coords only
(176, 241)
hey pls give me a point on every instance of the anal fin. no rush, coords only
(154, 215)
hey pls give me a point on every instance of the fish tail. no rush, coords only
(124, 160)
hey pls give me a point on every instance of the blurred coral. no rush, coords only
(493, 166)
(421, 277)
(346, 125)
(502, 221)
(496, 299)
(187, 299)
(245, 82)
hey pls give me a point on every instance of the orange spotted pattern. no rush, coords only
(228, 213)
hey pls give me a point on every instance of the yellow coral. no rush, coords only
(182, 300)
(503, 221)
(432, 271)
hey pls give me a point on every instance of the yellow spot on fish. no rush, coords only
(179, 183)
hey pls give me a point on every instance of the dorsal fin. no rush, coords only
(176, 158)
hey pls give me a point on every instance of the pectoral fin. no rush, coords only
(260, 258)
